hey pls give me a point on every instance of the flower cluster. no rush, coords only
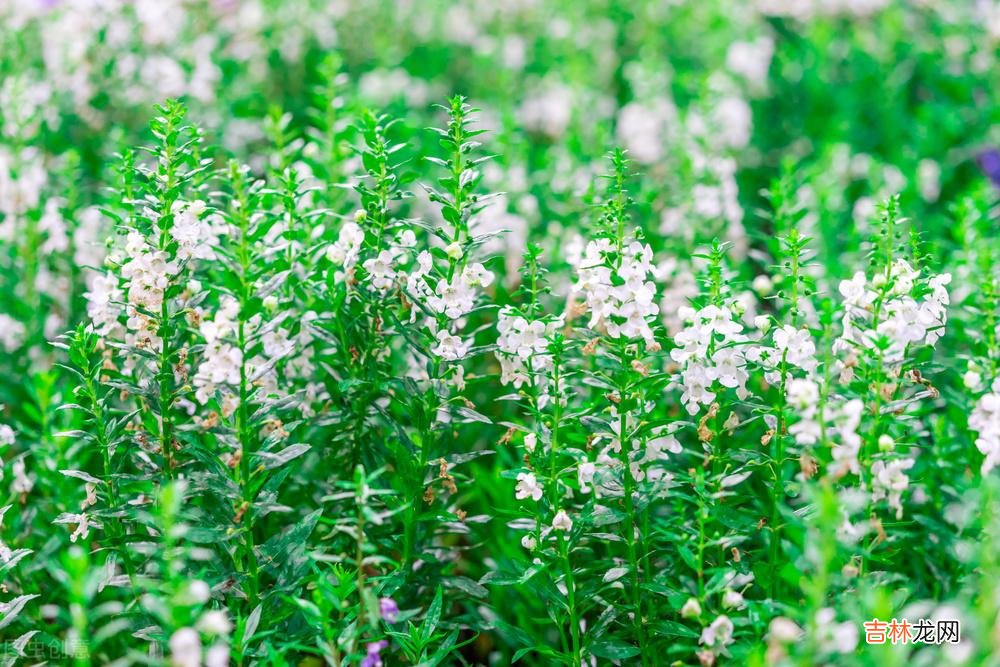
(889, 308)
(523, 347)
(710, 349)
(617, 289)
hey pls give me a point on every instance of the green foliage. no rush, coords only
(639, 349)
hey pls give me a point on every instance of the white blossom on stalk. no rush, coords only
(620, 300)
(450, 347)
(196, 237)
(585, 475)
(82, 523)
(847, 446)
(345, 251)
(528, 487)
(561, 521)
(803, 396)
(454, 299)
(23, 482)
(796, 347)
(12, 333)
(522, 349)
(889, 480)
(104, 304)
(380, 270)
(985, 421)
(718, 634)
(691, 608)
(6, 435)
(185, 648)
(904, 319)
(708, 329)
(217, 655)
(835, 637)
(221, 361)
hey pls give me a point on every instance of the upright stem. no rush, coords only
(574, 621)
(117, 529)
(777, 462)
(165, 371)
(632, 547)
(244, 432)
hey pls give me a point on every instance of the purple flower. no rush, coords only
(388, 609)
(373, 659)
(989, 162)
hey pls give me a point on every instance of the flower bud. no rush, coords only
(972, 380)
(762, 285)
(732, 599)
(784, 630)
(691, 609)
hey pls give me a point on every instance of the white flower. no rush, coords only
(23, 483)
(719, 633)
(217, 656)
(454, 299)
(835, 637)
(797, 347)
(476, 275)
(729, 367)
(802, 394)
(215, 622)
(449, 347)
(6, 435)
(195, 237)
(185, 648)
(344, 252)
(561, 521)
(199, 591)
(221, 365)
(104, 303)
(585, 475)
(972, 380)
(529, 542)
(530, 442)
(696, 382)
(985, 421)
(528, 487)
(784, 630)
(855, 291)
(890, 481)
(380, 270)
(623, 306)
(751, 60)
(12, 332)
(82, 522)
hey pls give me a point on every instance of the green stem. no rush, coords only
(631, 544)
(243, 428)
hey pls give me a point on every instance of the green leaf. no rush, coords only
(673, 629)
(613, 649)
(12, 608)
